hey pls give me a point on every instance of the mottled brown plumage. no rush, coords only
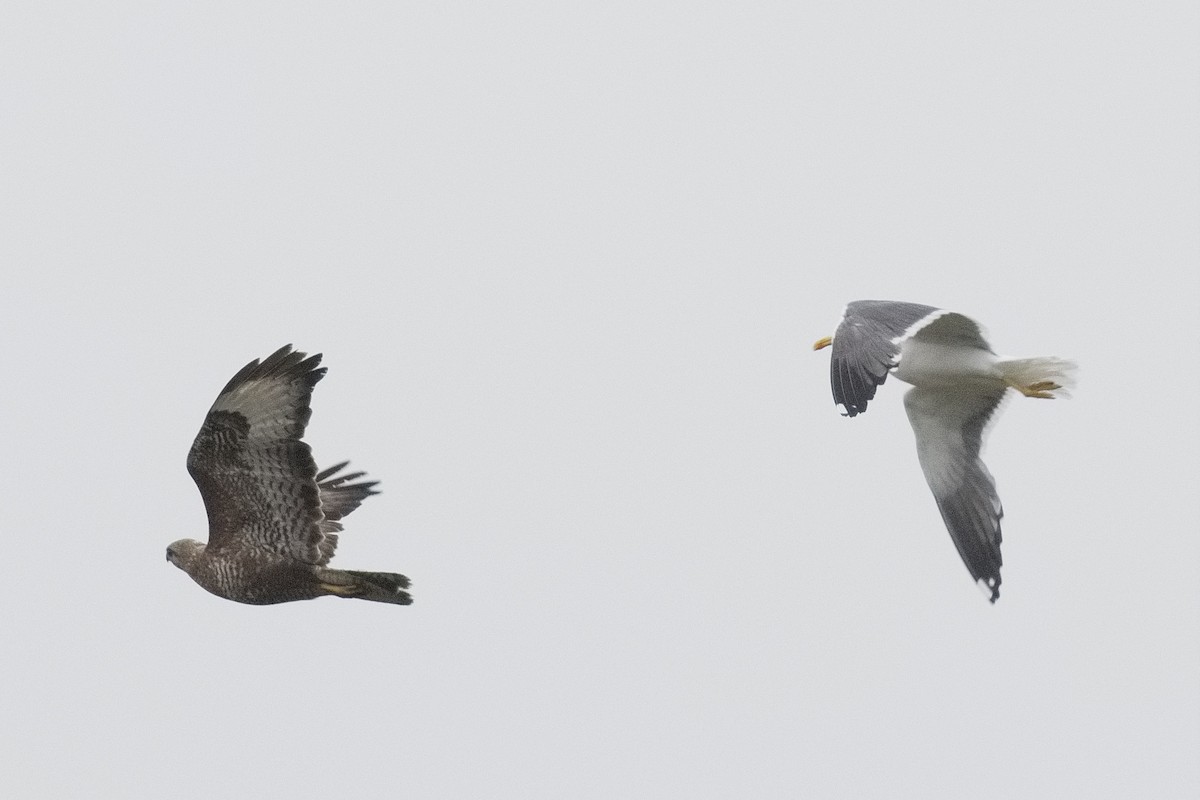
(272, 519)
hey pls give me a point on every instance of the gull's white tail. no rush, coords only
(1040, 372)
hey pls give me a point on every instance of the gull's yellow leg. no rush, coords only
(1041, 389)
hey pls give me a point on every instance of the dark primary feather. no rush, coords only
(863, 350)
(256, 477)
(338, 496)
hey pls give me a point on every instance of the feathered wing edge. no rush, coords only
(281, 363)
(339, 497)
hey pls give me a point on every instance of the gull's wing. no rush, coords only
(949, 425)
(867, 345)
(951, 329)
(257, 478)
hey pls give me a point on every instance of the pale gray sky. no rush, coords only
(565, 263)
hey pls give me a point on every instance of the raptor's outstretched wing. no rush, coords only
(257, 478)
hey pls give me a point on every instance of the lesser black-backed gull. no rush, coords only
(958, 382)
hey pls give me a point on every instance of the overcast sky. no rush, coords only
(566, 263)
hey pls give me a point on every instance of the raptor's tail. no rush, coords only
(381, 587)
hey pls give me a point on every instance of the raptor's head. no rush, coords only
(184, 552)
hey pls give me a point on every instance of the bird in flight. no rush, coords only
(958, 383)
(272, 518)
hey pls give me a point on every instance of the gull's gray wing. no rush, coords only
(949, 425)
(866, 346)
